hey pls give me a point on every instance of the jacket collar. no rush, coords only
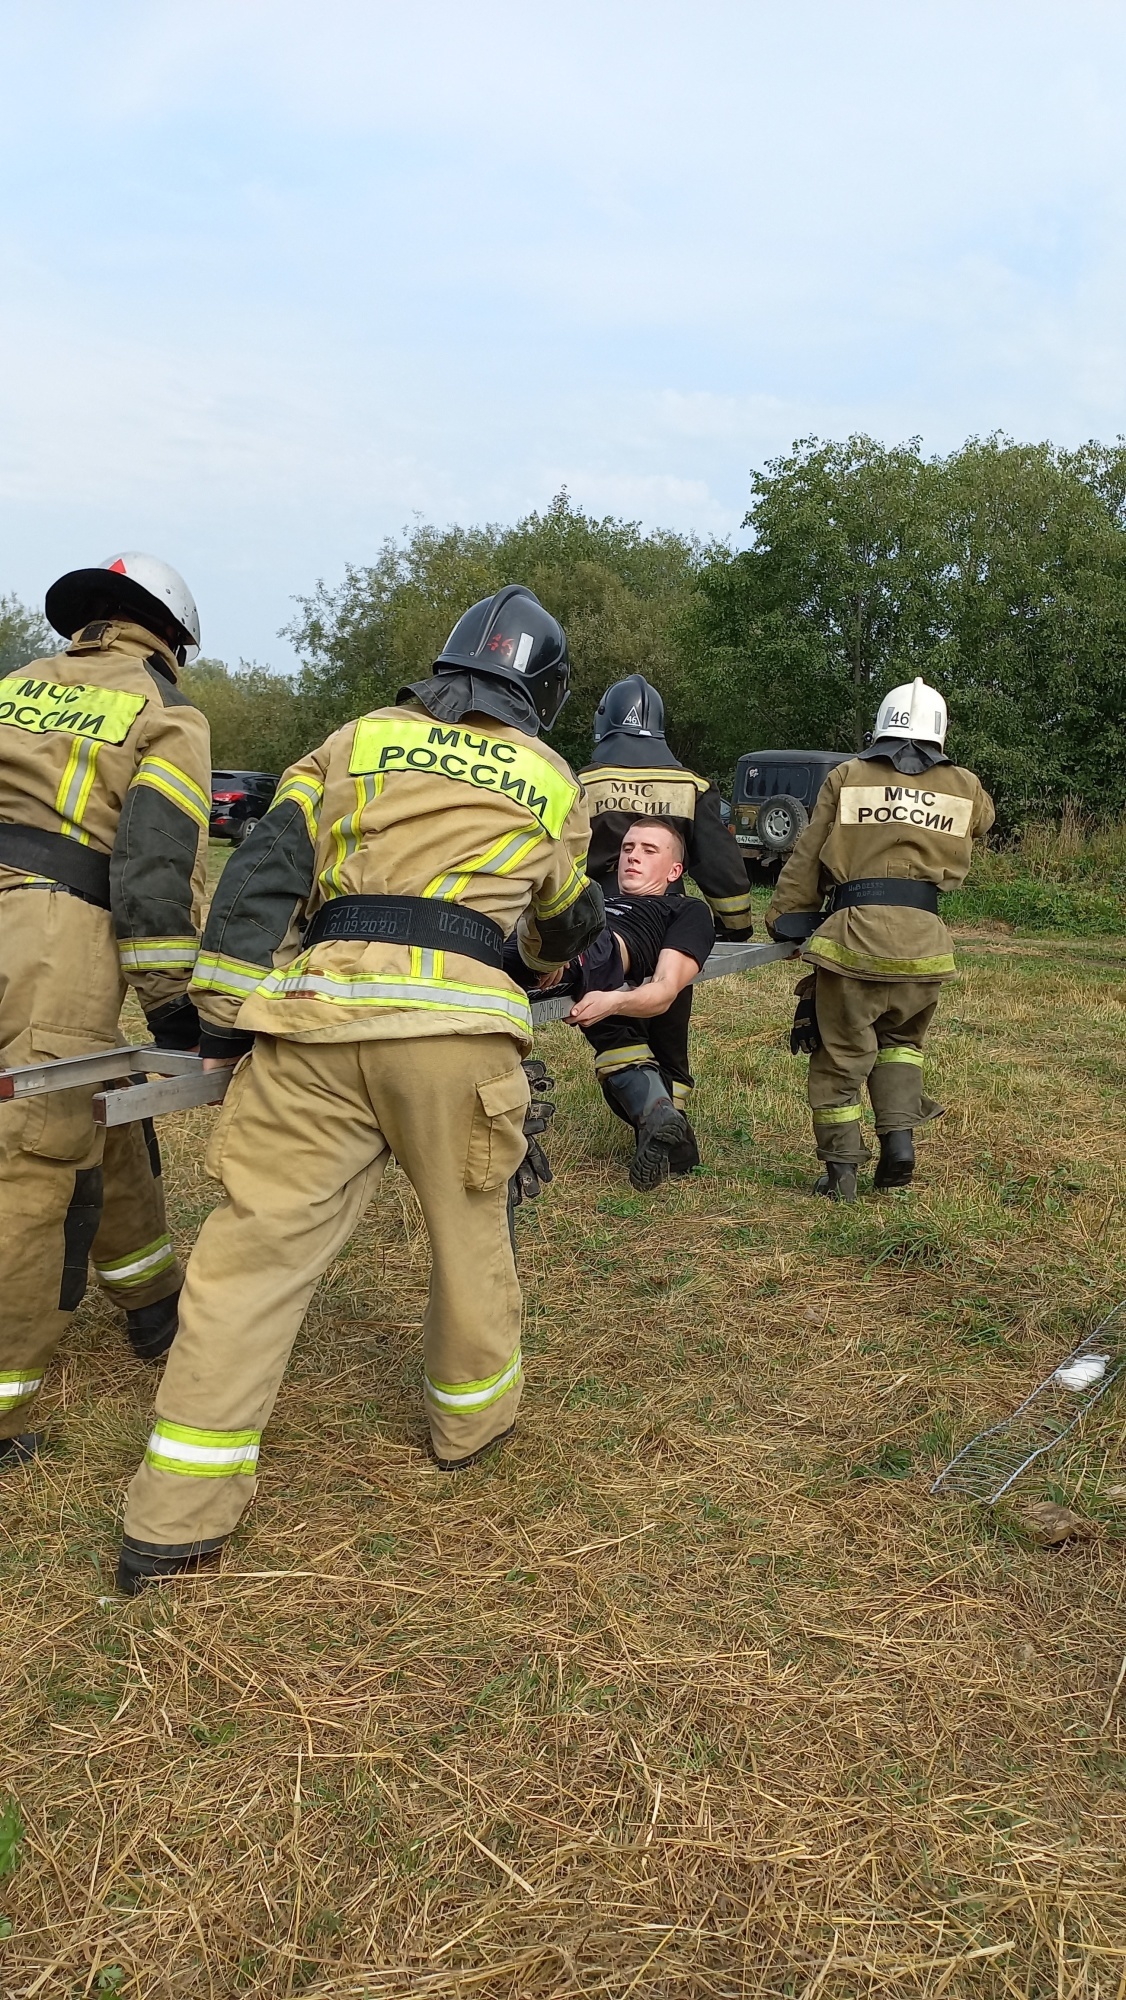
(105, 633)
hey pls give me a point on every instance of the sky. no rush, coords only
(280, 277)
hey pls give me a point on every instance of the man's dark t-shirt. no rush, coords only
(649, 925)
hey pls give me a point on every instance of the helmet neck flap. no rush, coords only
(911, 759)
(448, 697)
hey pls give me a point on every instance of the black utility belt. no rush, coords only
(74, 867)
(885, 889)
(410, 920)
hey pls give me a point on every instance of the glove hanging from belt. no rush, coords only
(534, 1173)
(805, 1035)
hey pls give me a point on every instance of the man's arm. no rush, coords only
(675, 970)
(798, 887)
(716, 865)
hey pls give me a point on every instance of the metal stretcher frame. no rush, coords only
(149, 1081)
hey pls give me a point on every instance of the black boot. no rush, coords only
(896, 1164)
(152, 1329)
(19, 1450)
(838, 1180)
(639, 1096)
(684, 1158)
(142, 1563)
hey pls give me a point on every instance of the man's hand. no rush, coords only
(596, 1006)
(550, 979)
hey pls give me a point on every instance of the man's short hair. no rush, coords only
(678, 840)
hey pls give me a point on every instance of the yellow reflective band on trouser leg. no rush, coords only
(895, 1087)
(681, 1092)
(626, 1057)
(836, 1130)
(476, 1395)
(900, 1056)
(17, 1387)
(202, 1454)
(124, 1274)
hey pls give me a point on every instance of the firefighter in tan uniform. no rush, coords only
(104, 803)
(632, 776)
(359, 934)
(891, 830)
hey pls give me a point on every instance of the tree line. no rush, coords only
(998, 572)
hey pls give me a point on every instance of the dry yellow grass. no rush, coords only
(694, 1691)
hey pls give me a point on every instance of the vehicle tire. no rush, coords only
(779, 823)
(244, 832)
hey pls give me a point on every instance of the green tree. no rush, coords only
(257, 719)
(24, 635)
(619, 593)
(794, 639)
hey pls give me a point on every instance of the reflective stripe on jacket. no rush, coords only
(99, 745)
(870, 821)
(399, 804)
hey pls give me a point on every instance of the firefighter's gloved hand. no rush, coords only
(531, 1176)
(805, 1035)
(541, 1109)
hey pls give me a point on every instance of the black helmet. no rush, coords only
(511, 636)
(630, 708)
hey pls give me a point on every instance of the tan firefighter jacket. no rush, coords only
(99, 746)
(870, 821)
(399, 804)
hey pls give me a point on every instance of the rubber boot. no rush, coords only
(140, 1563)
(19, 1450)
(639, 1096)
(838, 1180)
(896, 1164)
(460, 1464)
(152, 1329)
(685, 1157)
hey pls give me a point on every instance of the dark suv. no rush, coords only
(238, 800)
(774, 794)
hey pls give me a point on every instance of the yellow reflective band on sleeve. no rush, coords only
(17, 1388)
(235, 976)
(729, 905)
(123, 1273)
(900, 1056)
(202, 1454)
(476, 1395)
(511, 771)
(157, 954)
(835, 1114)
(163, 777)
(570, 892)
(105, 715)
(306, 793)
(882, 968)
(73, 795)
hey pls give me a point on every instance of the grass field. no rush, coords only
(694, 1691)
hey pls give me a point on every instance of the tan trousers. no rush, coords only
(871, 1032)
(301, 1146)
(60, 995)
(134, 1261)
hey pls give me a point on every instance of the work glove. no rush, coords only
(805, 1035)
(534, 1173)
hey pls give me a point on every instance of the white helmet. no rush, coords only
(131, 586)
(913, 710)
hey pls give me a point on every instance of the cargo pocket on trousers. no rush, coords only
(216, 1145)
(60, 1125)
(497, 1143)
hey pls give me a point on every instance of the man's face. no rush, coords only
(649, 861)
